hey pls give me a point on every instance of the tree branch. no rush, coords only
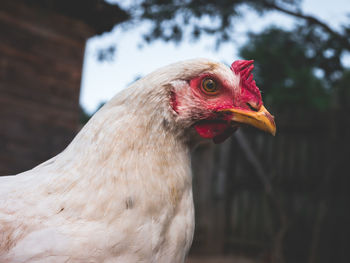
(308, 18)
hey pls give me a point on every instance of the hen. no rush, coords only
(121, 191)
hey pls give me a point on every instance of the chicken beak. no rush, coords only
(260, 119)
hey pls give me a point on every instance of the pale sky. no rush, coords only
(102, 80)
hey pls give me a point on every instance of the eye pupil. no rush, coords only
(209, 86)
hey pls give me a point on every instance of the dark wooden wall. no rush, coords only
(277, 199)
(41, 55)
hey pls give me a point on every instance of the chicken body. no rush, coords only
(122, 190)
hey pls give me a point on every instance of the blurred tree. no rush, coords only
(172, 19)
(320, 46)
(286, 72)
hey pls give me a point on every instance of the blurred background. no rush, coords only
(258, 198)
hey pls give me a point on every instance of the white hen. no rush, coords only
(121, 191)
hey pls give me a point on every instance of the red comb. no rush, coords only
(244, 68)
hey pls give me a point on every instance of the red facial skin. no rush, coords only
(217, 126)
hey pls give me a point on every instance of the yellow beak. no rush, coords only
(260, 119)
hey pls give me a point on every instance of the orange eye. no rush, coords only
(209, 87)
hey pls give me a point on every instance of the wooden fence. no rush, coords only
(276, 198)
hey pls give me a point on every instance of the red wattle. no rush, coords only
(210, 130)
(219, 132)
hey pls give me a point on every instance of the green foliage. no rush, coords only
(285, 72)
(172, 19)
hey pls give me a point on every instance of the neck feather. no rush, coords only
(133, 132)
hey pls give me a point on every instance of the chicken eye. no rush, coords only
(209, 86)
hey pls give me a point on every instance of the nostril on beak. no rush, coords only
(252, 108)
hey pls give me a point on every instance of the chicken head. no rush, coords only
(220, 99)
